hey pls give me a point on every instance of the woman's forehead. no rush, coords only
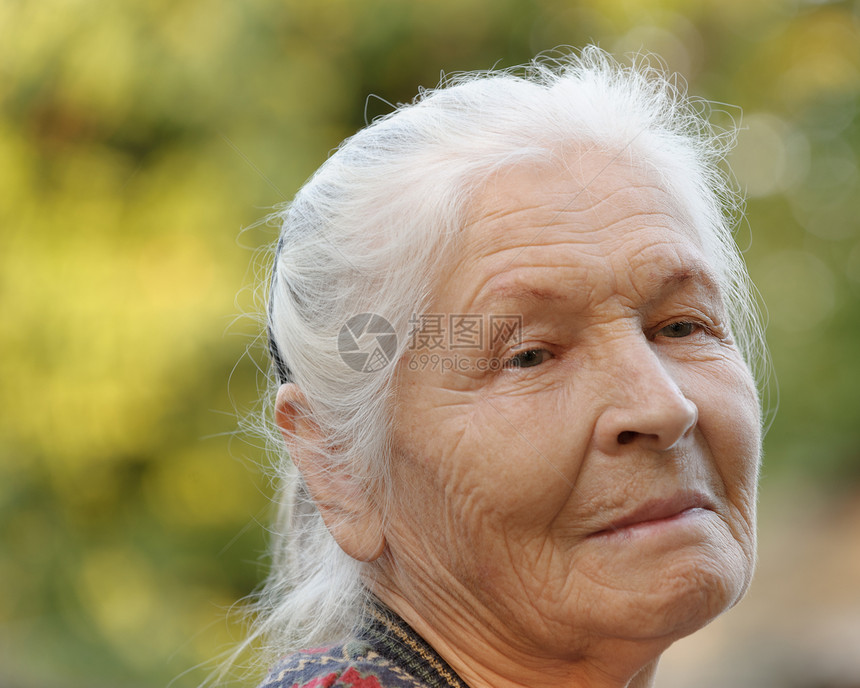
(588, 190)
(603, 219)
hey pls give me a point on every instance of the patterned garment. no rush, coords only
(386, 653)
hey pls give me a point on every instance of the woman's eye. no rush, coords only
(679, 329)
(527, 358)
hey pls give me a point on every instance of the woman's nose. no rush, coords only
(643, 405)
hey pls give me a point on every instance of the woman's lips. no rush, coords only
(658, 511)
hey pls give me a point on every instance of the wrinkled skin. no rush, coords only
(512, 543)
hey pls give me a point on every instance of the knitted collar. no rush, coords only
(395, 640)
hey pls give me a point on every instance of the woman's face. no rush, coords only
(602, 483)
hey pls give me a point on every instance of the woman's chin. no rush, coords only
(672, 597)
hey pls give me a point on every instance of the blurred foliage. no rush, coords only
(136, 139)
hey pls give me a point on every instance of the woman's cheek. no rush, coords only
(729, 422)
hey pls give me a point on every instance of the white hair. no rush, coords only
(366, 234)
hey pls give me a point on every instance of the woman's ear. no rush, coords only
(348, 507)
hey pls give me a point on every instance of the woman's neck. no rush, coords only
(485, 658)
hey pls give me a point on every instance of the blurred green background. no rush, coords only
(138, 138)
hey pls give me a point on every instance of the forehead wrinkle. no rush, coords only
(509, 220)
(575, 286)
(596, 201)
(579, 239)
(537, 198)
(563, 211)
(486, 236)
(654, 271)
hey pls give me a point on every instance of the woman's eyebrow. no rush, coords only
(662, 285)
(519, 292)
(697, 275)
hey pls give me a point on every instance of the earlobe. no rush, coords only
(347, 505)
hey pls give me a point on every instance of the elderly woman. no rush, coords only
(513, 339)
